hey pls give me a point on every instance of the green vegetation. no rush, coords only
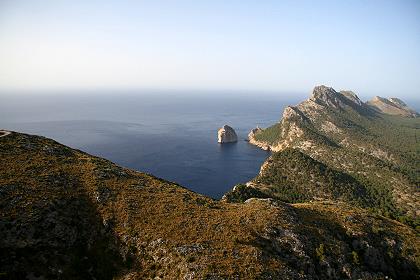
(270, 135)
(355, 257)
(352, 153)
(241, 193)
(320, 252)
(68, 215)
(293, 176)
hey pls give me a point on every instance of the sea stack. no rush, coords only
(226, 134)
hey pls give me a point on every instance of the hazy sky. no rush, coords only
(371, 47)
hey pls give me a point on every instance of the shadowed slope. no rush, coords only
(65, 214)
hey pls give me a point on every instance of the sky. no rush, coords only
(371, 47)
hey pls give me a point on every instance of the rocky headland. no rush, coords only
(352, 143)
(335, 201)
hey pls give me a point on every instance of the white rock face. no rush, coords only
(253, 131)
(351, 96)
(253, 141)
(226, 134)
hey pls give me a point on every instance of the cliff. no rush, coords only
(370, 158)
(226, 134)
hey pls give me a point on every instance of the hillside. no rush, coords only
(392, 106)
(65, 214)
(334, 146)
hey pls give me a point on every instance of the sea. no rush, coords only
(170, 135)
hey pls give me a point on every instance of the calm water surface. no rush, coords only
(171, 137)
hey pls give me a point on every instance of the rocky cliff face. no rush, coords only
(341, 132)
(251, 139)
(65, 214)
(351, 96)
(226, 134)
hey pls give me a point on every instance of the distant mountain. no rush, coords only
(392, 106)
(334, 146)
(65, 214)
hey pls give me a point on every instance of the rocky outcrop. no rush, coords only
(352, 97)
(391, 106)
(397, 101)
(254, 131)
(251, 139)
(226, 134)
(327, 96)
(291, 112)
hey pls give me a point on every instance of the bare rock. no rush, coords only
(226, 134)
(254, 131)
(327, 96)
(351, 96)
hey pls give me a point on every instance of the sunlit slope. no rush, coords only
(335, 146)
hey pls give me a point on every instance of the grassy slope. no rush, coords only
(64, 213)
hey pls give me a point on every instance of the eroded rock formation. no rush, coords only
(226, 134)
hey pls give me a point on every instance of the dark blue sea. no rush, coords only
(169, 135)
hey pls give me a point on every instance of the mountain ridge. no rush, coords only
(347, 135)
(391, 106)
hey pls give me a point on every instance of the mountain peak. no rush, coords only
(330, 96)
(322, 91)
(326, 96)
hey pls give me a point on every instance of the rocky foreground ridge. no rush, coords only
(334, 146)
(65, 214)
